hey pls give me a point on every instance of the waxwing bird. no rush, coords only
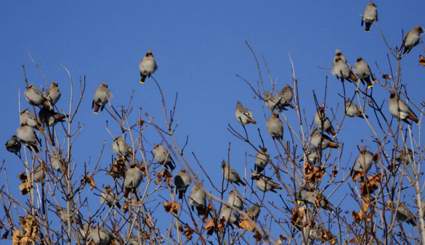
(56, 160)
(353, 110)
(275, 126)
(50, 117)
(228, 215)
(120, 147)
(341, 69)
(411, 39)
(101, 97)
(13, 145)
(320, 233)
(26, 135)
(265, 183)
(231, 174)
(198, 199)
(53, 94)
(403, 214)
(261, 159)
(285, 97)
(399, 109)
(322, 121)
(370, 15)
(363, 72)
(312, 155)
(73, 216)
(97, 235)
(162, 156)
(235, 199)
(147, 66)
(109, 198)
(243, 115)
(36, 98)
(132, 179)
(315, 197)
(319, 139)
(363, 163)
(182, 181)
(254, 211)
(271, 101)
(28, 118)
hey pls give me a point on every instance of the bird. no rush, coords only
(270, 100)
(147, 66)
(314, 197)
(363, 163)
(261, 159)
(399, 109)
(35, 97)
(319, 139)
(162, 156)
(353, 110)
(265, 183)
(108, 197)
(101, 97)
(275, 126)
(370, 15)
(97, 235)
(341, 69)
(120, 147)
(228, 215)
(254, 211)
(363, 72)
(198, 199)
(235, 199)
(27, 135)
(312, 155)
(13, 145)
(411, 39)
(132, 179)
(53, 94)
(403, 214)
(285, 96)
(322, 121)
(50, 117)
(243, 115)
(405, 156)
(28, 118)
(74, 216)
(56, 160)
(421, 60)
(231, 174)
(182, 181)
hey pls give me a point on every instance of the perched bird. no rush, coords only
(50, 117)
(363, 72)
(370, 15)
(39, 172)
(275, 126)
(254, 211)
(411, 39)
(353, 110)
(323, 122)
(270, 100)
(311, 154)
(341, 69)
(109, 198)
(120, 147)
(405, 156)
(198, 199)
(265, 183)
(96, 235)
(53, 94)
(235, 199)
(162, 156)
(243, 115)
(320, 233)
(147, 66)
(285, 97)
(403, 214)
(182, 181)
(74, 216)
(314, 197)
(132, 179)
(363, 163)
(101, 97)
(26, 135)
(36, 98)
(230, 174)
(13, 145)
(228, 215)
(261, 159)
(399, 109)
(28, 118)
(56, 160)
(319, 139)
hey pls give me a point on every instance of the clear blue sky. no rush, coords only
(199, 47)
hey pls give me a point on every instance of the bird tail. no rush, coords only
(95, 106)
(332, 144)
(413, 117)
(367, 26)
(353, 78)
(142, 78)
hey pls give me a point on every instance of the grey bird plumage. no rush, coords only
(341, 69)
(26, 135)
(108, 197)
(198, 199)
(53, 94)
(275, 126)
(133, 177)
(318, 139)
(35, 97)
(235, 199)
(243, 114)
(370, 16)
(28, 118)
(101, 97)
(322, 121)
(363, 72)
(230, 174)
(261, 159)
(411, 39)
(13, 145)
(162, 156)
(120, 147)
(182, 181)
(265, 183)
(363, 163)
(399, 109)
(50, 117)
(147, 66)
(353, 110)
